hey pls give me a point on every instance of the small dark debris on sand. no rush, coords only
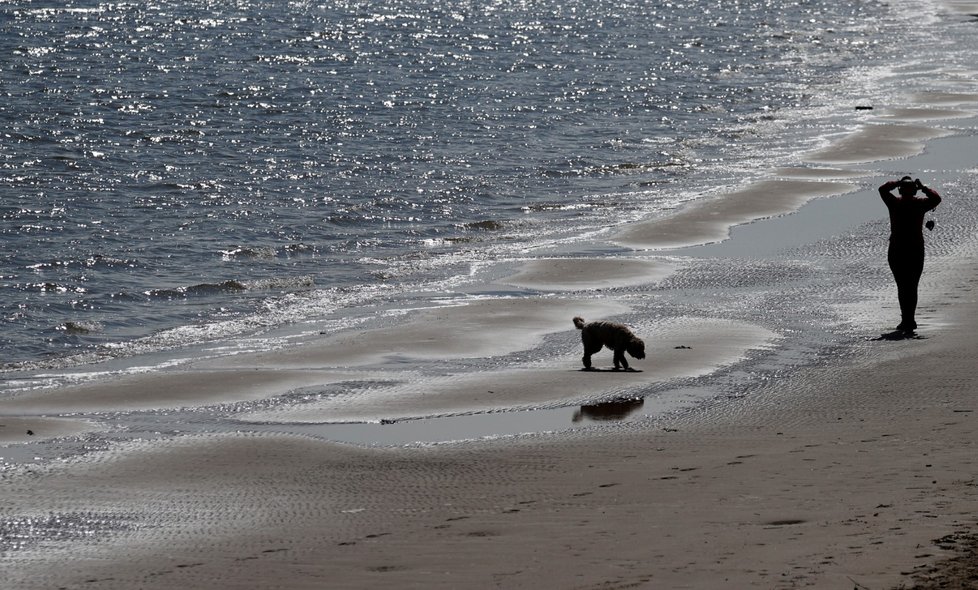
(960, 570)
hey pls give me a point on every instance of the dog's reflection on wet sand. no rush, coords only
(613, 410)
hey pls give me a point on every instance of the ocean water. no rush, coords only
(174, 173)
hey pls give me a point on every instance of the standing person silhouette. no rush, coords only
(906, 251)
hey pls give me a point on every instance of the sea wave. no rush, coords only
(232, 286)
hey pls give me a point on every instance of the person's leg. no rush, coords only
(907, 264)
(907, 293)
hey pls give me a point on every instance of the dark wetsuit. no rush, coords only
(906, 251)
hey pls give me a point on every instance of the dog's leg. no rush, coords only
(620, 361)
(589, 349)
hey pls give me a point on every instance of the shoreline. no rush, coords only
(832, 472)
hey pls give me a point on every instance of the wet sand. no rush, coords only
(875, 142)
(18, 430)
(570, 274)
(838, 475)
(842, 476)
(166, 390)
(710, 220)
(465, 329)
(676, 349)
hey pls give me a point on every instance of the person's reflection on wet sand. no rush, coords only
(613, 410)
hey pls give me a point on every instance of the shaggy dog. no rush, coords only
(617, 337)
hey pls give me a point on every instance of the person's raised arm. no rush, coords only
(933, 199)
(886, 187)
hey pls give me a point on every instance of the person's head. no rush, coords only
(908, 187)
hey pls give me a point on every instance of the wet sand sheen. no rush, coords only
(686, 347)
(167, 390)
(925, 114)
(875, 142)
(24, 429)
(569, 274)
(478, 328)
(710, 220)
(820, 173)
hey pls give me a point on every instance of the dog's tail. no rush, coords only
(579, 323)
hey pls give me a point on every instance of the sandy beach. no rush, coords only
(852, 469)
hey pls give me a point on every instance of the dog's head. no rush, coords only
(636, 348)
